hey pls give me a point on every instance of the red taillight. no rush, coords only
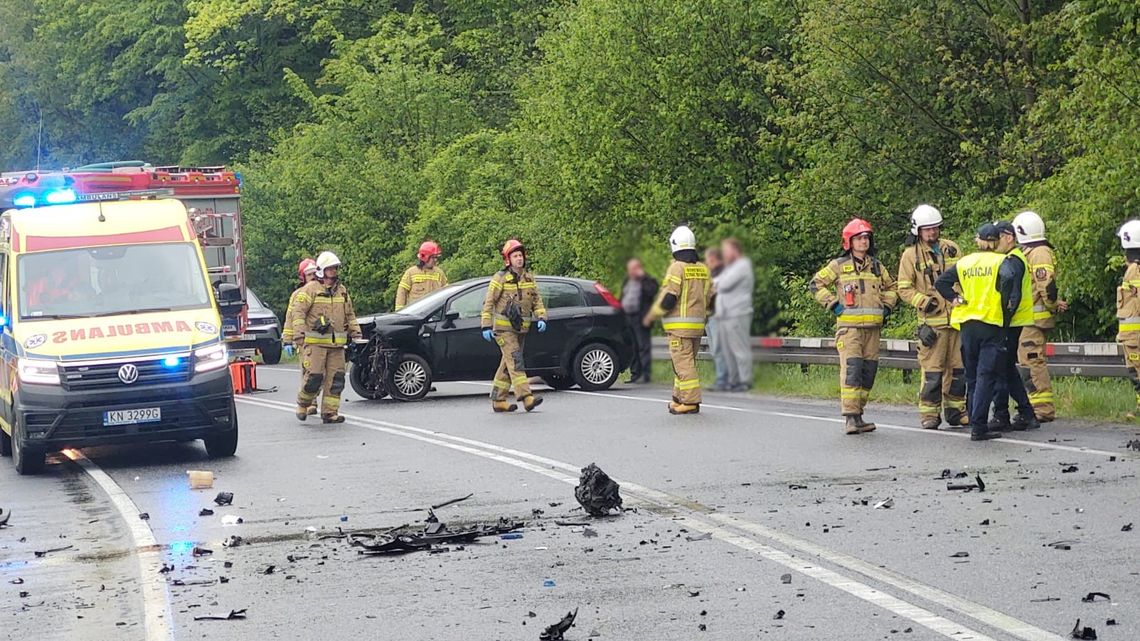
(607, 296)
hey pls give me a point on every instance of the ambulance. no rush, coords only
(111, 331)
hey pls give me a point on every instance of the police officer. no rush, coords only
(324, 322)
(1128, 306)
(939, 345)
(512, 303)
(1012, 380)
(307, 271)
(859, 290)
(683, 304)
(423, 278)
(1033, 367)
(992, 286)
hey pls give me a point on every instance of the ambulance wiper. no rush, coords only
(147, 310)
(62, 316)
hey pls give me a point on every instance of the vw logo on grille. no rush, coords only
(128, 373)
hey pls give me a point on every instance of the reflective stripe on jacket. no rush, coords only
(504, 287)
(418, 282)
(1128, 300)
(313, 302)
(692, 287)
(919, 268)
(864, 288)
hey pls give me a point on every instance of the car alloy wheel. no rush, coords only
(597, 366)
(409, 378)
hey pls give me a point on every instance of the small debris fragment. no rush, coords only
(1127, 528)
(1086, 633)
(166, 569)
(779, 615)
(224, 498)
(4, 516)
(797, 486)
(1133, 445)
(1070, 469)
(511, 536)
(555, 632)
(42, 553)
(1110, 622)
(199, 479)
(231, 520)
(786, 579)
(985, 522)
(699, 537)
(694, 593)
(960, 555)
(597, 493)
(197, 551)
(590, 533)
(17, 581)
(269, 570)
(232, 542)
(1061, 545)
(451, 502)
(206, 512)
(885, 504)
(1092, 596)
(233, 615)
(145, 516)
(702, 627)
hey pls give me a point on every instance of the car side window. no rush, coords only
(556, 295)
(469, 304)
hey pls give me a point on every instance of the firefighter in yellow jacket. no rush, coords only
(857, 288)
(307, 271)
(683, 305)
(324, 322)
(511, 305)
(423, 278)
(926, 257)
(1128, 306)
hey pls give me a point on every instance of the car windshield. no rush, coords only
(255, 303)
(109, 280)
(429, 303)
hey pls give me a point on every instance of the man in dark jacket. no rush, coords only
(637, 295)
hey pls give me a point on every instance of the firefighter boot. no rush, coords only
(303, 412)
(931, 423)
(850, 427)
(864, 426)
(312, 410)
(683, 408)
(503, 406)
(334, 419)
(531, 402)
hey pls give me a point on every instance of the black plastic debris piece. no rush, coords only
(537, 512)
(17, 581)
(388, 542)
(223, 579)
(166, 569)
(571, 523)
(786, 579)
(24, 595)
(232, 542)
(292, 558)
(1133, 445)
(1086, 633)
(184, 583)
(1070, 469)
(702, 627)
(885, 504)
(269, 570)
(206, 512)
(228, 564)
(451, 502)
(1110, 622)
(699, 537)
(779, 615)
(985, 522)
(224, 498)
(197, 551)
(1092, 596)
(694, 593)
(977, 484)
(1060, 545)
(42, 553)
(953, 474)
(797, 486)
(555, 632)
(232, 616)
(960, 555)
(4, 516)
(597, 493)
(1047, 599)
(145, 516)
(1126, 528)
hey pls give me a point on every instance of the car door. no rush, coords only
(465, 354)
(568, 321)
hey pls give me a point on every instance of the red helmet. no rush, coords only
(854, 228)
(305, 267)
(428, 249)
(511, 247)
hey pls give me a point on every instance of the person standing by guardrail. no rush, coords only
(926, 257)
(715, 262)
(682, 305)
(637, 295)
(863, 298)
(1128, 306)
(1033, 366)
(734, 287)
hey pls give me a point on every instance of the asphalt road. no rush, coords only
(724, 505)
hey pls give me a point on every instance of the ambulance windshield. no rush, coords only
(111, 280)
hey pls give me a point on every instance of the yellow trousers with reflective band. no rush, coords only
(686, 382)
(1034, 371)
(1131, 343)
(943, 377)
(858, 349)
(511, 372)
(324, 367)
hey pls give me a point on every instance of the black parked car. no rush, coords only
(265, 329)
(587, 342)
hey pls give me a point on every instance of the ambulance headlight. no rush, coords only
(61, 196)
(210, 358)
(39, 372)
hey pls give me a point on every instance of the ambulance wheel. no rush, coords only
(409, 378)
(223, 445)
(27, 460)
(5, 444)
(270, 352)
(595, 367)
(356, 380)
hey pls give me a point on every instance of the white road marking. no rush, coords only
(157, 617)
(728, 528)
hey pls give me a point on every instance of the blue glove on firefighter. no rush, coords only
(488, 336)
(290, 350)
(541, 326)
(838, 308)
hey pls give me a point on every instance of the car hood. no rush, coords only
(382, 320)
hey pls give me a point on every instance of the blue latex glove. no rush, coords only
(290, 350)
(541, 326)
(488, 336)
(838, 309)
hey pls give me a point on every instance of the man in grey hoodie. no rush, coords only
(734, 287)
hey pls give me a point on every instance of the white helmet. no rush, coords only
(1130, 234)
(924, 216)
(326, 260)
(1029, 227)
(682, 238)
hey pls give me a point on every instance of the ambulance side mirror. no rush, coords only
(228, 294)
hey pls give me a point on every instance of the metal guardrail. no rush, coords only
(1065, 359)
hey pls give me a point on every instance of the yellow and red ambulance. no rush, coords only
(111, 331)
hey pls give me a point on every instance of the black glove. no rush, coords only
(886, 314)
(926, 335)
(931, 305)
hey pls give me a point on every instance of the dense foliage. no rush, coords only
(588, 128)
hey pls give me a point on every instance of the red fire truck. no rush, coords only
(211, 196)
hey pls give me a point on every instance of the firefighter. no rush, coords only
(865, 297)
(939, 345)
(324, 322)
(307, 271)
(683, 304)
(1128, 306)
(1032, 366)
(423, 278)
(511, 305)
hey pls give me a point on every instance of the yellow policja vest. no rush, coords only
(1023, 317)
(977, 276)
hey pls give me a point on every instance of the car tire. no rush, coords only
(270, 352)
(28, 460)
(224, 444)
(409, 378)
(558, 382)
(356, 380)
(5, 444)
(595, 367)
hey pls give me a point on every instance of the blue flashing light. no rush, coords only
(171, 362)
(3, 320)
(24, 200)
(61, 196)
(181, 547)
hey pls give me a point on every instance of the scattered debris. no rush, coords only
(1127, 527)
(1110, 622)
(1092, 596)
(206, 512)
(145, 516)
(452, 502)
(699, 537)
(881, 469)
(953, 474)
(885, 504)
(269, 570)
(391, 542)
(42, 553)
(779, 615)
(694, 593)
(959, 555)
(1045, 600)
(549, 583)
(344, 518)
(797, 486)
(1061, 545)
(17, 581)
(1070, 469)
(4, 516)
(1133, 445)
(224, 498)
(184, 583)
(24, 595)
(233, 615)
(597, 493)
(231, 520)
(555, 632)
(514, 536)
(1083, 633)
(197, 551)
(978, 484)
(166, 569)
(985, 522)
(786, 579)
(571, 523)
(232, 542)
(199, 479)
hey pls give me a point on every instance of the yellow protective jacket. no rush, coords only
(1128, 302)
(692, 288)
(418, 282)
(864, 288)
(287, 335)
(919, 267)
(314, 304)
(1043, 274)
(507, 286)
